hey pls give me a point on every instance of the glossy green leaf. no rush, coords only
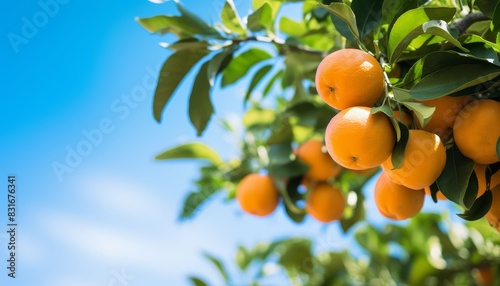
(219, 265)
(219, 62)
(292, 190)
(194, 200)
(274, 4)
(230, 18)
(480, 207)
(281, 131)
(240, 65)
(441, 73)
(261, 19)
(346, 15)
(434, 190)
(173, 71)
(256, 79)
(392, 9)
(368, 15)
(487, 6)
(398, 154)
(454, 179)
(421, 111)
(471, 191)
(197, 281)
(193, 150)
(410, 21)
(200, 105)
(258, 118)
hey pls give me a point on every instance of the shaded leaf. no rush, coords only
(281, 131)
(172, 73)
(471, 191)
(495, 22)
(434, 190)
(487, 6)
(219, 62)
(230, 18)
(388, 111)
(292, 190)
(296, 255)
(410, 24)
(256, 79)
(193, 150)
(480, 207)
(498, 148)
(358, 213)
(454, 179)
(240, 65)
(200, 105)
(368, 15)
(261, 19)
(271, 82)
(398, 154)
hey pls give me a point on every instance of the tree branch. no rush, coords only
(285, 48)
(463, 24)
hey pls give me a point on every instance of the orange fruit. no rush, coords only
(443, 118)
(349, 77)
(493, 215)
(358, 140)
(325, 203)
(257, 195)
(424, 160)
(321, 165)
(366, 172)
(476, 130)
(484, 275)
(397, 202)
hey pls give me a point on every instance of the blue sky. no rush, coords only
(114, 210)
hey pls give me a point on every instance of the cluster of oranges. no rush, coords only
(352, 82)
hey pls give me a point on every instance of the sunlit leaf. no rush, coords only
(219, 62)
(346, 15)
(230, 18)
(193, 150)
(422, 112)
(197, 281)
(258, 118)
(291, 27)
(410, 24)
(240, 65)
(388, 111)
(261, 19)
(200, 105)
(219, 265)
(173, 71)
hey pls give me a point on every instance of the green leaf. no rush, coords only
(346, 15)
(434, 190)
(441, 73)
(173, 71)
(498, 148)
(454, 179)
(243, 258)
(240, 65)
(388, 111)
(256, 79)
(408, 25)
(281, 131)
(271, 82)
(368, 15)
(280, 163)
(197, 281)
(358, 213)
(194, 200)
(230, 18)
(183, 26)
(495, 22)
(292, 189)
(261, 19)
(274, 4)
(480, 207)
(422, 112)
(471, 191)
(218, 264)
(398, 154)
(258, 118)
(193, 150)
(291, 27)
(219, 62)
(487, 6)
(200, 105)
(296, 253)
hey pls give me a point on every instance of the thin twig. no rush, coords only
(463, 24)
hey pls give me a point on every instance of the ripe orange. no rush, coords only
(476, 130)
(493, 215)
(397, 202)
(257, 195)
(447, 109)
(424, 160)
(325, 203)
(349, 77)
(358, 140)
(321, 165)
